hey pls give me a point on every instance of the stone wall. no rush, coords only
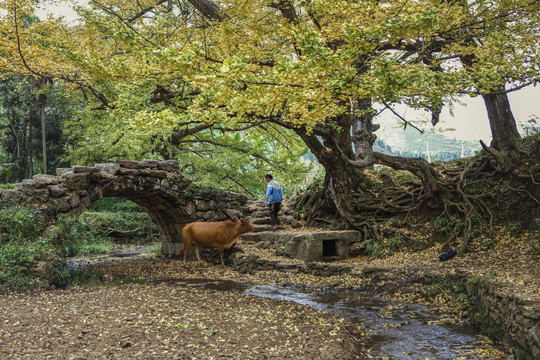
(517, 315)
(307, 246)
(170, 198)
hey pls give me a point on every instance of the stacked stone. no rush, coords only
(517, 315)
(250, 263)
(170, 198)
(306, 246)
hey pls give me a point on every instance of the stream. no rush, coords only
(398, 331)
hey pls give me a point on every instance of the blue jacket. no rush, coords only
(273, 191)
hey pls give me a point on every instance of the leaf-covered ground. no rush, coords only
(173, 320)
(167, 321)
(512, 260)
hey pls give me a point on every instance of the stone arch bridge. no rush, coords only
(171, 199)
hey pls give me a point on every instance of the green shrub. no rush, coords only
(114, 204)
(78, 238)
(372, 248)
(394, 243)
(17, 263)
(396, 222)
(129, 227)
(17, 224)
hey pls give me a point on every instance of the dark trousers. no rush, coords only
(274, 210)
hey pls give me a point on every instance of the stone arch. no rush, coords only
(171, 199)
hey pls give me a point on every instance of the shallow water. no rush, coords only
(398, 331)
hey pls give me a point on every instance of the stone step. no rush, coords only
(260, 228)
(262, 221)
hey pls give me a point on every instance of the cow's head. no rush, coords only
(245, 225)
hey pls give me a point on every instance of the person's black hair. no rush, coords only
(268, 176)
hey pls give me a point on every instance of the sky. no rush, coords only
(469, 119)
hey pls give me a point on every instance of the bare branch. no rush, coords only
(401, 118)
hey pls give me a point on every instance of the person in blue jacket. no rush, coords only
(274, 196)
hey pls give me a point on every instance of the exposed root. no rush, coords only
(473, 194)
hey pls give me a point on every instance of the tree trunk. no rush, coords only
(363, 129)
(29, 147)
(501, 121)
(341, 178)
(42, 100)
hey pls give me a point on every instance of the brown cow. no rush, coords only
(221, 235)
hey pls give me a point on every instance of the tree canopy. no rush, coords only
(167, 78)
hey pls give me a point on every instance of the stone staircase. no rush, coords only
(296, 248)
(260, 216)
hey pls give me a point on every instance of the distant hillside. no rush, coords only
(410, 142)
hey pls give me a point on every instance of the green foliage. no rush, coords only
(488, 326)
(394, 243)
(93, 230)
(17, 262)
(396, 222)
(114, 204)
(444, 224)
(311, 182)
(515, 228)
(156, 250)
(485, 242)
(532, 130)
(21, 249)
(74, 238)
(20, 140)
(535, 224)
(17, 225)
(405, 176)
(452, 285)
(372, 248)
(4, 169)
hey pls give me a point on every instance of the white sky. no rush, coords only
(59, 8)
(470, 121)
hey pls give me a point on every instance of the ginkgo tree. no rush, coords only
(162, 76)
